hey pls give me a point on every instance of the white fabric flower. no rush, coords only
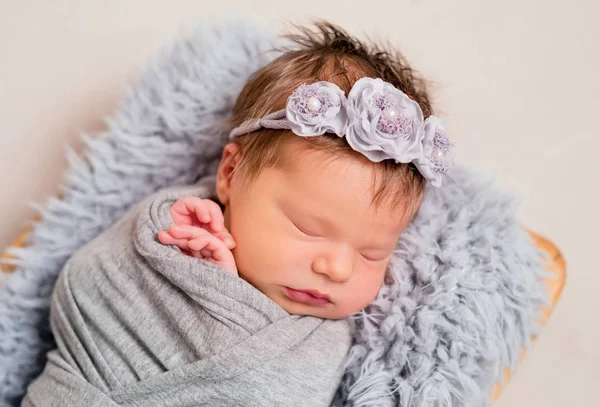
(436, 160)
(315, 109)
(383, 122)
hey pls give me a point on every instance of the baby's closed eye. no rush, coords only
(373, 257)
(305, 230)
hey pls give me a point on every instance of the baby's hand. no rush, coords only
(203, 213)
(199, 230)
(200, 243)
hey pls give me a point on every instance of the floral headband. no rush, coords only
(377, 119)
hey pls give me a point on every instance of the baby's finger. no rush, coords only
(185, 209)
(180, 214)
(226, 238)
(217, 222)
(186, 231)
(167, 239)
(196, 254)
(217, 248)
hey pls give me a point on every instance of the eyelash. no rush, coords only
(370, 258)
(302, 230)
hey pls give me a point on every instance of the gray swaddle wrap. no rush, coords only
(138, 323)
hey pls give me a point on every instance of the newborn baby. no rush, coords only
(234, 291)
(295, 242)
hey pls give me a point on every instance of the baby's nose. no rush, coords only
(337, 266)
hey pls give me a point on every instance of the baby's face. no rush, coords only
(311, 226)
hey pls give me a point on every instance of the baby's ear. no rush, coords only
(232, 156)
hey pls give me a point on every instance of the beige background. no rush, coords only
(517, 82)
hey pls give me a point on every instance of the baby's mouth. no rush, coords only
(310, 297)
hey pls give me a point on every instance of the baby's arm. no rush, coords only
(199, 230)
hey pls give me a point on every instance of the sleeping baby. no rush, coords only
(235, 291)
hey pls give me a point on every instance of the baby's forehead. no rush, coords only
(337, 189)
(344, 168)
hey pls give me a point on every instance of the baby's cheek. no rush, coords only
(257, 254)
(365, 290)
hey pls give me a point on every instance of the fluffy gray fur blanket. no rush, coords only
(463, 292)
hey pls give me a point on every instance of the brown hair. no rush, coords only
(327, 54)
